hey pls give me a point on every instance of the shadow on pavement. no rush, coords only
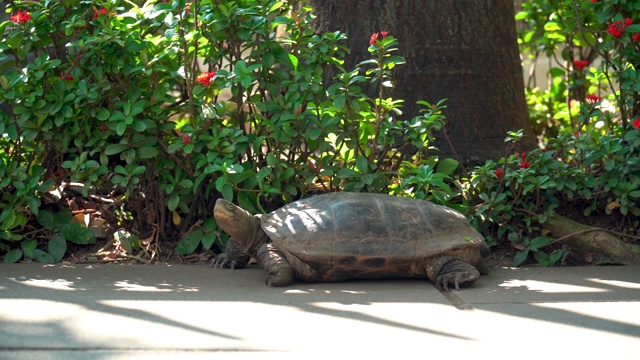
(223, 304)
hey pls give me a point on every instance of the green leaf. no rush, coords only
(556, 256)
(552, 26)
(362, 164)
(42, 256)
(173, 202)
(103, 114)
(147, 152)
(397, 60)
(520, 257)
(57, 247)
(77, 234)
(12, 256)
(347, 173)
(263, 173)
(339, 101)
(121, 128)
(208, 240)
(115, 149)
(271, 160)
(47, 219)
(539, 242)
(542, 258)
(139, 125)
(225, 189)
(189, 243)
(128, 240)
(447, 166)
(29, 246)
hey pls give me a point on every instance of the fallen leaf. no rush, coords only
(176, 218)
(613, 205)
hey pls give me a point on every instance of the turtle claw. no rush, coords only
(224, 261)
(443, 281)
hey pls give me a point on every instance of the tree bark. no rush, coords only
(586, 238)
(465, 51)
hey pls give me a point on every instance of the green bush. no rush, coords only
(166, 107)
(587, 121)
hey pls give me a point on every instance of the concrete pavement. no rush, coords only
(91, 311)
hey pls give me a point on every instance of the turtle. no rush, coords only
(339, 236)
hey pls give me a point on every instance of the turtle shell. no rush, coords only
(365, 232)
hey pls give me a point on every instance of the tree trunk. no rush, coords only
(585, 238)
(465, 51)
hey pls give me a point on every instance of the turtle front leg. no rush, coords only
(233, 258)
(447, 270)
(279, 271)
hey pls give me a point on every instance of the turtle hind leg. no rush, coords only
(457, 273)
(447, 270)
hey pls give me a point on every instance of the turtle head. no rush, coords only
(240, 224)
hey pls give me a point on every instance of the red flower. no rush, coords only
(21, 17)
(524, 165)
(580, 64)
(205, 78)
(499, 173)
(592, 99)
(97, 14)
(636, 123)
(373, 38)
(67, 77)
(593, 1)
(636, 37)
(617, 28)
(186, 139)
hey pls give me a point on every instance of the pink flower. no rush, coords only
(580, 64)
(617, 28)
(21, 17)
(205, 78)
(592, 98)
(636, 123)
